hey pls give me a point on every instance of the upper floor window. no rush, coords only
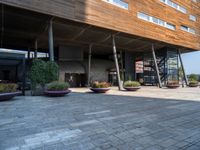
(187, 29)
(193, 18)
(155, 20)
(119, 3)
(175, 5)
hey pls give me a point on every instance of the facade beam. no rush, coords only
(156, 66)
(89, 64)
(116, 63)
(51, 44)
(183, 68)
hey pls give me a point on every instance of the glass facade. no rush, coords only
(167, 60)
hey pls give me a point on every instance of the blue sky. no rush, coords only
(192, 62)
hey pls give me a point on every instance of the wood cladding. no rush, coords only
(105, 15)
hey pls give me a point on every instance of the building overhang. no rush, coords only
(20, 28)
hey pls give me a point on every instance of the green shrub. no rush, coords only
(193, 77)
(57, 86)
(43, 72)
(130, 83)
(52, 72)
(97, 84)
(7, 88)
(38, 73)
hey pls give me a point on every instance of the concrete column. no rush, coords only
(89, 64)
(184, 74)
(24, 76)
(29, 53)
(51, 46)
(116, 63)
(156, 66)
(35, 49)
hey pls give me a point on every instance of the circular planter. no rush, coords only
(56, 93)
(193, 85)
(173, 86)
(8, 96)
(100, 90)
(132, 88)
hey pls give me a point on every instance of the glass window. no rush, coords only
(118, 3)
(170, 26)
(187, 29)
(193, 18)
(174, 5)
(155, 20)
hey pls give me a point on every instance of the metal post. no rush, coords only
(122, 65)
(89, 64)
(181, 61)
(36, 47)
(51, 46)
(24, 76)
(156, 66)
(116, 63)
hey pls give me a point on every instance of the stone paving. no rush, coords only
(143, 120)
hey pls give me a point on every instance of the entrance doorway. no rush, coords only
(76, 79)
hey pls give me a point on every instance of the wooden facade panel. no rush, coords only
(105, 15)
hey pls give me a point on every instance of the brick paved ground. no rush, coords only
(113, 121)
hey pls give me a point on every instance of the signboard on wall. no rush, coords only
(139, 66)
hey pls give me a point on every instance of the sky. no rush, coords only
(191, 62)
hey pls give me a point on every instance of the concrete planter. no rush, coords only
(100, 90)
(193, 85)
(173, 86)
(8, 96)
(56, 93)
(132, 88)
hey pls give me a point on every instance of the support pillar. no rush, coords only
(184, 74)
(51, 46)
(29, 53)
(89, 64)
(24, 76)
(116, 63)
(156, 66)
(35, 49)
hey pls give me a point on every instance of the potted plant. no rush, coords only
(8, 91)
(100, 87)
(193, 80)
(173, 84)
(193, 83)
(132, 85)
(57, 89)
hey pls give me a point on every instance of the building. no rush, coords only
(110, 40)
